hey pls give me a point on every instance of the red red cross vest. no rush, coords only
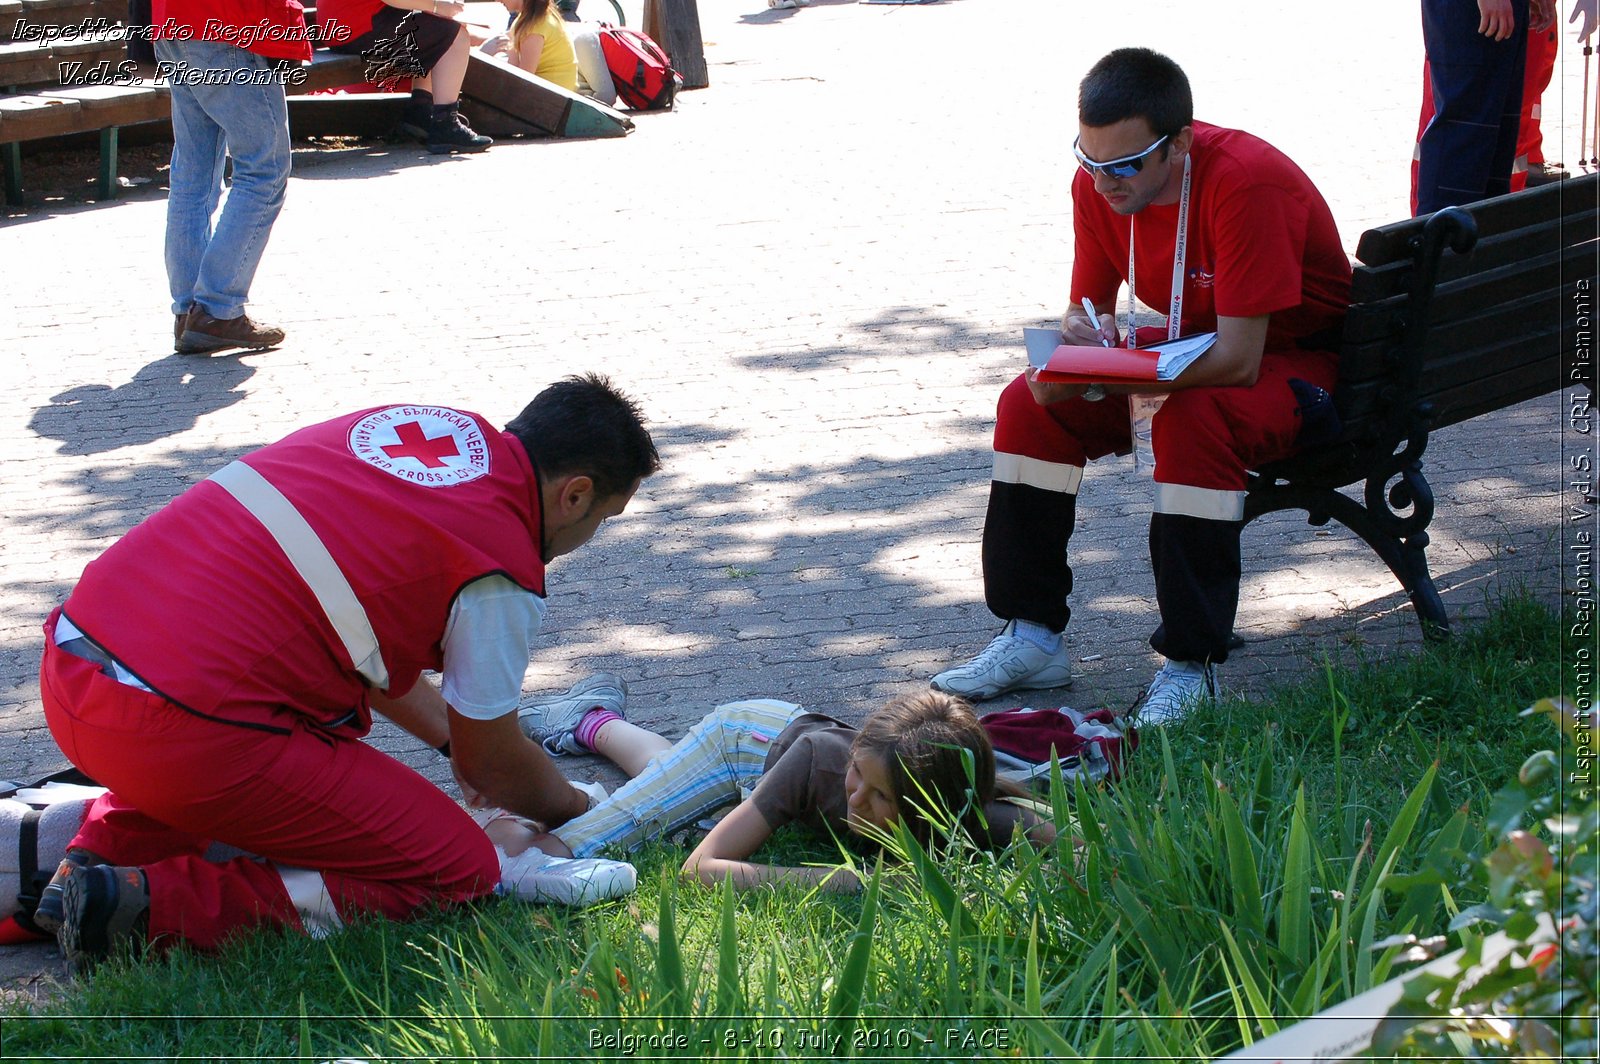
(412, 503)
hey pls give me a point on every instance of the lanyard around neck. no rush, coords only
(1180, 253)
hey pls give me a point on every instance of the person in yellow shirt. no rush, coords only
(542, 43)
(539, 43)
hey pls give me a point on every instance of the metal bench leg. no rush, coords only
(1400, 542)
(1406, 558)
(13, 167)
(108, 163)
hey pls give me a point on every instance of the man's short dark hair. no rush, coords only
(1136, 83)
(582, 426)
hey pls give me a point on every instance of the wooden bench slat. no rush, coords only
(1464, 297)
(1538, 361)
(1493, 393)
(104, 106)
(107, 97)
(60, 10)
(1511, 326)
(508, 100)
(1369, 285)
(1534, 206)
(20, 113)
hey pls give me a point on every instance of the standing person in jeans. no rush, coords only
(1229, 236)
(226, 101)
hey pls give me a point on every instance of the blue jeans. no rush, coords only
(248, 119)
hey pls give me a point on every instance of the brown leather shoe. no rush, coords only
(202, 332)
(179, 322)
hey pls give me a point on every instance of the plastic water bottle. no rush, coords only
(1142, 415)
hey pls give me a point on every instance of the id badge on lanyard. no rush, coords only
(1142, 408)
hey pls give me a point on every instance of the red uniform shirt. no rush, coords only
(1261, 241)
(354, 15)
(412, 502)
(272, 28)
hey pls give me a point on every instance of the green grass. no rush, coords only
(1239, 877)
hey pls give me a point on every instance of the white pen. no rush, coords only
(1088, 308)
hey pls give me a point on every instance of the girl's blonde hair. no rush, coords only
(532, 12)
(938, 757)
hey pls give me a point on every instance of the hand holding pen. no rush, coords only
(1099, 329)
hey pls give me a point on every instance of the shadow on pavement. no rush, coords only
(166, 397)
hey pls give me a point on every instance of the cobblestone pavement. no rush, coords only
(814, 274)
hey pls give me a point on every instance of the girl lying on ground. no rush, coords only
(787, 766)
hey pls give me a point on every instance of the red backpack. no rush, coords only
(644, 77)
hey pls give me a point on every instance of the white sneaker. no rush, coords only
(534, 875)
(783, 4)
(1009, 663)
(550, 720)
(1178, 687)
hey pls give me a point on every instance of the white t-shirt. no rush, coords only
(486, 644)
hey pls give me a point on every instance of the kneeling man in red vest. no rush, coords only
(218, 666)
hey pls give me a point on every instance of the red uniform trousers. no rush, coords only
(1205, 441)
(1543, 46)
(383, 838)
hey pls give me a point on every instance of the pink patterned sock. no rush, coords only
(590, 725)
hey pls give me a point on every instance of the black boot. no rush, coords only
(448, 132)
(415, 118)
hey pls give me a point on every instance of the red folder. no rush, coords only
(1071, 364)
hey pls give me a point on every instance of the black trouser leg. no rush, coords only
(1025, 571)
(1196, 566)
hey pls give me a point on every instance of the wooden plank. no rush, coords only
(1508, 324)
(19, 115)
(99, 107)
(1460, 404)
(330, 70)
(103, 106)
(1472, 297)
(1391, 243)
(60, 12)
(1468, 378)
(1574, 226)
(675, 26)
(513, 101)
(10, 11)
(366, 114)
(27, 63)
(104, 98)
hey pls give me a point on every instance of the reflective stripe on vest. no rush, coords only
(312, 561)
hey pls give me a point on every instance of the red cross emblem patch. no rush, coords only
(432, 446)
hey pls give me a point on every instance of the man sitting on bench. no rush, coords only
(1231, 236)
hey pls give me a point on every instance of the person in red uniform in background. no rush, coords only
(217, 667)
(1227, 234)
(1530, 167)
(1543, 49)
(1474, 104)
